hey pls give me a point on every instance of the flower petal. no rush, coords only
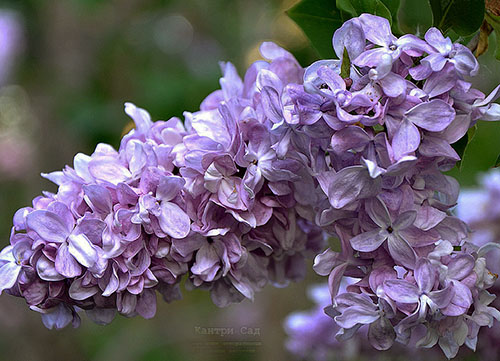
(48, 225)
(66, 264)
(354, 315)
(434, 116)
(369, 241)
(8, 275)
(174, 221)
(401, 291)
(381, 334)
(82, 249)
(401, 251)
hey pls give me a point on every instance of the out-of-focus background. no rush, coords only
(67, 67)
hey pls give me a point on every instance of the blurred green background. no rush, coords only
(77, 62)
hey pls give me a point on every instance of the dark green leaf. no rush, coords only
(345, 5)
(463, 16)
(358, 7)
(415, 17)
(461, 145)
(393, 6)
(345, 69)
(494, 21)
(497, 162)
(318, 19)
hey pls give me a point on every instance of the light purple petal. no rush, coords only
(369, 241)
(401, 251)
(140, 117)
(169, 188)
(83, 250)
(108, 169)
(406, 140)
(377, 29)
(393, 85)
(405, 220)
(377, 210)
(57, 317)
(370, 57)
(441, 82)
(350, 36)
(425, 275)
(428, 217)
(434, 115)
(442, 297)
(460, 266)
(174, 221)
(271, 104)
(437, 147)
(80, 293)
(98, 198)
(101, 316)
(335, 279)
(48, 225)
(401, 291)
(351, 137)
(66, 264)
(47, 270)
(350, 184)
(8, 275)
(354, 315)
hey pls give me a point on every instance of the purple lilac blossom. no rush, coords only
(420, 278)
(479, 207)
(208, 199)
(245, 189)
(311, 333)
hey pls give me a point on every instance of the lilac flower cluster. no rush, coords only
(480, 208)
(311, 333)
(388, 200)
(248, 187)
(210, 198)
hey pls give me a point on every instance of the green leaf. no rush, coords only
(345, 5)
(463, 16)
(358, 7)
(415, 17)
(497, 162)
(461, 145)
(494, 21)
(345, 69)
(393, 6)
(318, 19)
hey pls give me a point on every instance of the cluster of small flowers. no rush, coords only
(388, 201)
(311, 333)
(242, 192)
(210, 198)
(480, 208)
